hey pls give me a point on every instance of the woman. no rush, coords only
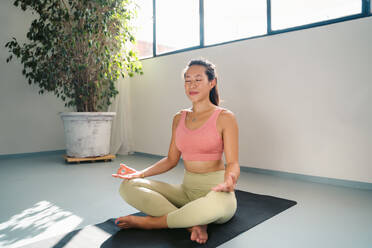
(200, 134)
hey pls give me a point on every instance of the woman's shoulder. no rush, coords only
(226, 116)
(179, 113)
(177, 116)
(225, 111)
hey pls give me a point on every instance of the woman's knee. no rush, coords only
(225, 205)
(126, 187)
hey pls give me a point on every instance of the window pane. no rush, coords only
(234, 19)
(290, 13)
(144, 26)
(177, 25)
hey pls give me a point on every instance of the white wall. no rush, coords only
(28, 121)
(302, 99)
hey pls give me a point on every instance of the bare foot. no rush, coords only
(199, 234)
(142, 222)
(129, 221)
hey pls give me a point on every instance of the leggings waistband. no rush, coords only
(203, 180)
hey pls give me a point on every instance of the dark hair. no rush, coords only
(210, 71)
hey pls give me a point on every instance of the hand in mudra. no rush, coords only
(126, 172)
(228, 185)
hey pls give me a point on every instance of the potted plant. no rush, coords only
(78, 49)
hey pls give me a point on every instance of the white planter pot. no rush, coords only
(87, 134)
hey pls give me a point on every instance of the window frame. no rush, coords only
(365, 12)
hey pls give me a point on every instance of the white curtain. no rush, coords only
(121, 138)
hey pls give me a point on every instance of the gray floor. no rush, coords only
(42, 196)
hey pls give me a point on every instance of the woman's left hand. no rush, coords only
(228, 185)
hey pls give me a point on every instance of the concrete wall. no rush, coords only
(302, 99)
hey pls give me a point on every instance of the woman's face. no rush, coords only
(197, 86)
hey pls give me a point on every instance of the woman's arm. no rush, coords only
(166, 163)
(230, 136)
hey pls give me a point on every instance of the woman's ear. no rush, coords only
(213, 82)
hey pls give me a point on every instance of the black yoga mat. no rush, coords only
(252, 210)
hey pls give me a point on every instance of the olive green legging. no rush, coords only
(190, 204)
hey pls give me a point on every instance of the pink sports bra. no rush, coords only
(202, 144)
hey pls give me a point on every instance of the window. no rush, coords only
(181, 25)
(290, 13)
(144, 28)
(177, 25)
(233, 20)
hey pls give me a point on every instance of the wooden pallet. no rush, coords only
(106, 158)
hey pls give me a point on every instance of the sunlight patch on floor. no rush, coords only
(43, 220)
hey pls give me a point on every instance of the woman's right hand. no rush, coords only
(126, 172)
(138, 174)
